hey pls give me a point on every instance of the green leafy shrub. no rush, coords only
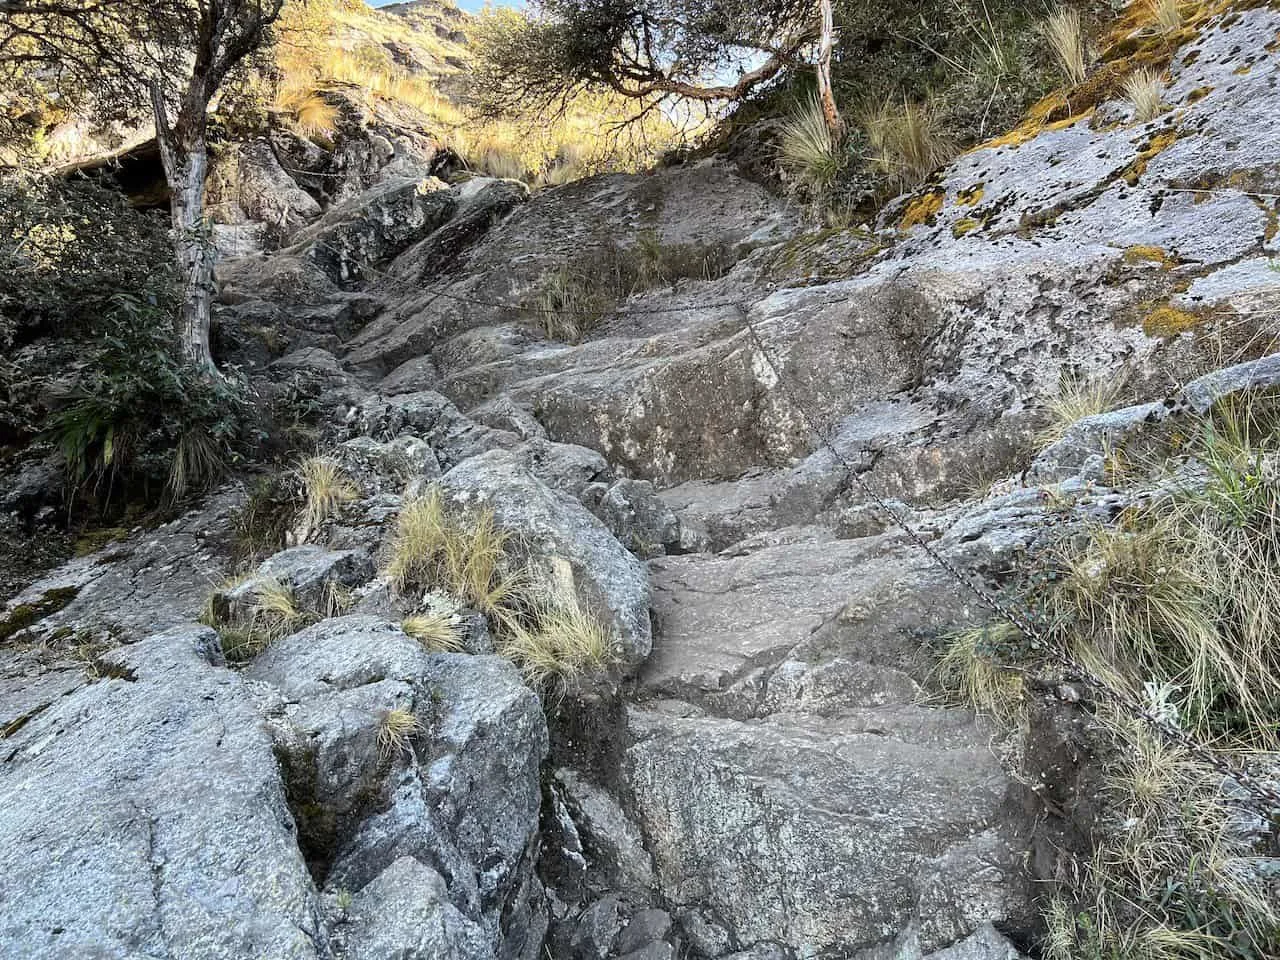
(139, 419)
(68, 248)
(88, 297)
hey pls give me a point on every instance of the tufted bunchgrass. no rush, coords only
(808, 149)
(436, 633)
(971, 672)
(907, 139)
(1173, 875)
(1144, 89)
(1166, 15)
(326, 487)
(463, 552)
(396, 732)
(557, 644)
(1076, 399)
(1064, 34)
(275, 611)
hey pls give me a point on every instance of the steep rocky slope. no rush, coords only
(769, 778)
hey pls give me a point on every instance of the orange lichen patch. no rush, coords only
(1270, 211)
(972, 196)
(1031, 129)
(1147, 254)
(1168, 321)
(1198, 94)
(1155, 146)
(965, 225)
(922, 209)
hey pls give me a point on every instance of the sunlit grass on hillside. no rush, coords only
(326, 44)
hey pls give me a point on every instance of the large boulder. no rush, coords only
(370, 229)
(143, 815)
(567, 546)
(457, 789)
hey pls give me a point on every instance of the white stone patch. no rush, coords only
(1237, 285)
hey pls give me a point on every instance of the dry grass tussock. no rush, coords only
(1076, 399)
(437, 633)
(807, 147)
(1064, 34)
(907, 139)
(325, 488)
(1166, 15)
(972, 671)
(553, 640)
(1144, 90)
(396, 732)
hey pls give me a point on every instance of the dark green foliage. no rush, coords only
(67, 249)
(88, 297)
(141, 418)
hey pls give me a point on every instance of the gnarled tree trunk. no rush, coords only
(825, 94)
(185, 153)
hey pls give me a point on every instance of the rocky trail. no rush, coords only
(772, 777)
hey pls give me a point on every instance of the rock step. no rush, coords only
(722, 617)
(826, 834)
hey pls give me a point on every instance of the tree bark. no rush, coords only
(184, 152)
(825, 94)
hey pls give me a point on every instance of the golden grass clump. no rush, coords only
(907, 139)
(438, 634)
(465, 555)
(971, 671)
(315, 116)
(396, 732)
(1143, 89)
(1166, 15)
(563, 643)
(1064, 33)
(326, 487)
(1077, 398)
(807, 147)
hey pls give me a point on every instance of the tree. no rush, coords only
(166, 56)
(652, 51)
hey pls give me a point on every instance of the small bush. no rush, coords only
(571, 300)
(1143, 90)
(972, 670)
(1065, 36)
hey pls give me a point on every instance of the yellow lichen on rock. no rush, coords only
(971, 197)
(1140, 253)
(1154, 147)
(922, 209)
(964, 226)
(1169, 321)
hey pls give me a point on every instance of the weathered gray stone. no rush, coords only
(405, 913)
(460, 793)
(309, 572)
(641, 521)
(986, 943)
(143, 815)
(570, 548)
(644, 927)
(370, 229)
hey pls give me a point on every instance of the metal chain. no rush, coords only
(1267, 798)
